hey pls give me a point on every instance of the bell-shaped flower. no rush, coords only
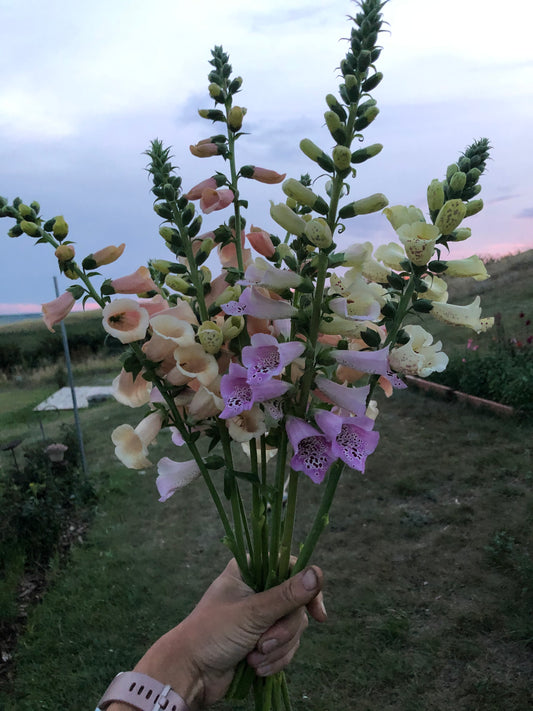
(193, 362)
(228, 254)
(155, 305)
(312, 449)
(390, 255)
(254, 303)
(131, 392)
(212, 200)
(349, 399)
(104, 256)
(418, 239)
(137, 283)
(131, 445)
(206, 402)
(265, 175)
(261, 241)
(250, 424)
(356, 254)
(168, 332)
(261, 273)
(266, 358)
(470, 267)
(437, 289)
(195, 193)
(374, 271)
(125, 319)
(374, 362)
(352, 438)
(205, 149)
(469, 315)
(239, 395)
(174, 475)
(399, 215)
(56, 310)
(184, 312)
(346, 328)
(419, 356)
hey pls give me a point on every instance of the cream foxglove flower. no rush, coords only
(390, 255)
(248, 425)
(420, 356)
(131, 445)
(437, 289)
(399, 215)
(469, 315)
(130, 392)
(418, 239)
(470, 267)
(125, 319)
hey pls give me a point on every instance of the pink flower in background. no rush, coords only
(264, 175)
(252, 302)
(261, 242)
(212, 200)
(56, 310)
(137, 283)
(352, 438)
(196, 192)
(312, 449)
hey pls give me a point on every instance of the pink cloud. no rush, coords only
(8, 309)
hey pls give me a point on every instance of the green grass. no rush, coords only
(422, 615)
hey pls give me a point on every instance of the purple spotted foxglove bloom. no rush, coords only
(352, 438)
(239, 395)
(266, 357)
(349, 399)
(312, 449)
(375, 362)
(253, 303)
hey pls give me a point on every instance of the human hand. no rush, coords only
(231, 623)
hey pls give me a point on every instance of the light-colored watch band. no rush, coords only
(143, 693)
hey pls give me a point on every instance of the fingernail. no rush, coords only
(309, 580)
(269, 645)
(263, 670)
(323, 608)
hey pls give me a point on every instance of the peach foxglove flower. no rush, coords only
(204, 149)
(261, 273)
(350, 399)
(399, 215)
(104, 256)
(195, 193)
(469, 315)
(420, 356)
(174, 475)
(137, 283)
(418, 239)
(250, 424)
(193, 362)
(351, 438)
(125, 319)
(375, 362)
(131, 445)
(154, 305)
(213, 200)
(470, 267)
(56, 310)
(261, 242)
(239, 395)
(252, 302)
(312, 449)
(264, 175)
(266, 358)
(206, 401)
(128, 391)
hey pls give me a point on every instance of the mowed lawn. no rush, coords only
(429, 580)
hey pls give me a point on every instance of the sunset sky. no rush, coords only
(86, 86)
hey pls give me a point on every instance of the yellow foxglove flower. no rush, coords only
(469, 316)
(450, 216)
(470, 267)
(420, 356)
(390, 255)
(399, 215)
(418, 239)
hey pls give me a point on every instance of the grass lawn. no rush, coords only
(427, 558)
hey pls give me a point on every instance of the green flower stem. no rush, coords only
(288, 528)
(193, 267)
(285, 693)
(264, 530)
(277, 504)
(321, 518)
(258, 520)
(235, 190)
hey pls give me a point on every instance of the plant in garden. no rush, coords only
(281, 354)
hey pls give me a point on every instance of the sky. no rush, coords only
(86, 86)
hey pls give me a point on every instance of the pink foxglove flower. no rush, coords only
(125, 319)
(137, 283)
(56, 310)
(195, 193)
(261, 242)
(352, 438)
(212, 200)
(107, 255)
(266, 358)
(349, 399)
(174, 475)
(239, 395)
(312, 449)
(204, 149)
(375, 362)
(252, 302)
(264, 175)
(130, 392)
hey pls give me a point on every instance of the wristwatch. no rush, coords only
(143, 693)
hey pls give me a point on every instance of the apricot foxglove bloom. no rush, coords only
(58, 309)
(250, 424)
(131, 445)
(137, 283)
(107, 255)
(266, 358)
(130, 392)
(351, 438)
(420, 356)
(261, 241)
(213, 200)
(125, 319)
(174, 475)
(312, 449)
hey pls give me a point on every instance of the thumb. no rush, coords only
(269, 606)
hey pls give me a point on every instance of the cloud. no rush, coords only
(526, 213)
(502, 198)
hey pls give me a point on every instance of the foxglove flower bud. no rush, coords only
(461, 234)
(365, 206)
(342, 157)
(365, 153)
(450, 170)
(366, 119)
(210, 336)
(435, 195)
(65, 252)
(177, 283)
(294, 189)
(60, 228)
(233, 325)
(212, 114)
(235, 117)
(312, 151)
(286, 218)
(336, 107)
(473, 207)
(335, 126)
(30, 228)
(450, 216)
(26, 212)
(318, 233)
(458, 181)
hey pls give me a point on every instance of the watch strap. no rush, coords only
(143, 693)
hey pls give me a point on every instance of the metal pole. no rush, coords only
(72, 390)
